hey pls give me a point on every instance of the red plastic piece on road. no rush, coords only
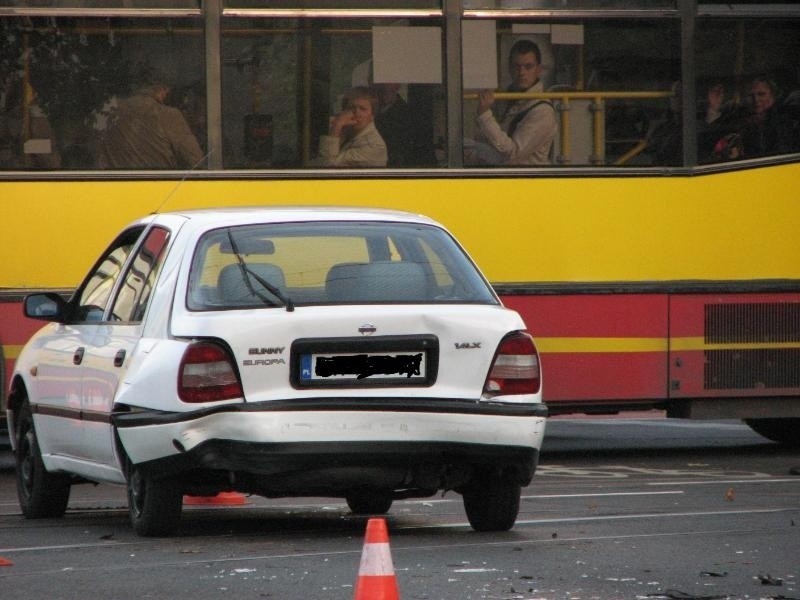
(221, 499)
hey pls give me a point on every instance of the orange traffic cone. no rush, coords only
(221, 499)
(376, 580)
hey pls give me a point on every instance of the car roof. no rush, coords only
(217, 217)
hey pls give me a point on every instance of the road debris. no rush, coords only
(672, 594)
(770, 580)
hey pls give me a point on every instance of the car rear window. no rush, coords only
(331, 263)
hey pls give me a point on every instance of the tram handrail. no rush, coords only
(599, 95)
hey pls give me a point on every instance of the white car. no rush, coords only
(295, 351)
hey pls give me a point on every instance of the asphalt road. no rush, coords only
(642, 508)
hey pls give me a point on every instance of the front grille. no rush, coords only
(757, 368)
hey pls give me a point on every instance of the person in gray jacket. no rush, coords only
(144, 133)
(525, 131)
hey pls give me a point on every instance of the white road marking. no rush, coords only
(624, 472)
(726, 481)
(539, 496)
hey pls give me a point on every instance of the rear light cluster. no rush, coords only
(208, 374)
(515, 369)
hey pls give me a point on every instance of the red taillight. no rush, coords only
(515, 369)
(207, 374)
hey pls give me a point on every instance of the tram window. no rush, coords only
(748, 88)
(336, 4)
(283, 79)
(568, 4)
(727, 3)
(65, 82)
(101, 3)
(613, 79)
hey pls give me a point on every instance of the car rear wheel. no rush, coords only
(492, 504)
(370, 502)
(154, 506)
(41, 494)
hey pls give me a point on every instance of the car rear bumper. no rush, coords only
(333, 447)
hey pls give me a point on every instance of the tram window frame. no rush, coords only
(298, 135)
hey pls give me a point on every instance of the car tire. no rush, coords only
(154, 506)
(369, 503)
(41, 494)
(492, 505)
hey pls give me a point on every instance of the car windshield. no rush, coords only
(295, 264)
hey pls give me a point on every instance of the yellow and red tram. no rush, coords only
(648, 283)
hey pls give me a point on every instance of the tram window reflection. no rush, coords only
(64, 80)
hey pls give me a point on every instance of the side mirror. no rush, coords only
(45, 307)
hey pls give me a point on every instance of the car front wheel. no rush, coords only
(154, 506)
(492, 504)
(41, 494)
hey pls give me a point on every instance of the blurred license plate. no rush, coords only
(409, 366)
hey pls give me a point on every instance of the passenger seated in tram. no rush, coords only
(144, 133)
(765, 125)
(352, 139)
(716, 128)
(766, 128)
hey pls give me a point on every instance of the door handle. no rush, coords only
(119, 358)
(77, 358)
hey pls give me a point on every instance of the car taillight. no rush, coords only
(515, 369)
(207, 374)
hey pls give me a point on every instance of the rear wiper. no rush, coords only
(248, 273)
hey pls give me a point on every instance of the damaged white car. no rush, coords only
(282, 352)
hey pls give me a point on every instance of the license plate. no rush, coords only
(410, 366)
(365, 362)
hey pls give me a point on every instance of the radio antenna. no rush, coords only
(186, 174)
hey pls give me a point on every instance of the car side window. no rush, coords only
(134, 291)
(94, 293)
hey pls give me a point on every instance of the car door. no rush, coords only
(112, 343)
(58, 402)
